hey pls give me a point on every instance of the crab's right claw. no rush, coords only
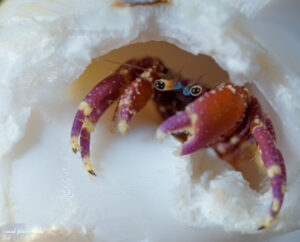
(208, 117)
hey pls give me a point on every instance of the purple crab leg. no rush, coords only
(76, 129)
(102, 92)
(110, 85)
(271, 156)
(132, 101)
(270, 128)
(98, 100)
(85, 150)
(87, 128)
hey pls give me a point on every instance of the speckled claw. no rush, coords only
(271, 157)
(136, 96)
(208, 117)
(178, 123)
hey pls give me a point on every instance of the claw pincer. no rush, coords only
(208, 117)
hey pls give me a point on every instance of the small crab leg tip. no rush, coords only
(92, 172)
(89, 167)
(266, 224)
(261, 228)
(160, 135)
(74, 144)
(122, 127)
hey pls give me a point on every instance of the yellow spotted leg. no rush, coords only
(271, 157)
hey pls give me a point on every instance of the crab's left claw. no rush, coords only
(208, 117)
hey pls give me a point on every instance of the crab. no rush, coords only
(225, 118)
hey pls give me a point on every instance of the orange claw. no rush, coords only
(214, 114)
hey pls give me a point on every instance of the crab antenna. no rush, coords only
(179, 72)
(134, 66)
(124, 64)
(201, 76)
(178, 85)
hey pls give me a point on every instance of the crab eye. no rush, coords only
(164, 85)
(160, 84)
(196, 90)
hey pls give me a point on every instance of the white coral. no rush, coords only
(45, 45)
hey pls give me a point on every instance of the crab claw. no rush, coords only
(208, 117)
(263, 132)
(136, 96)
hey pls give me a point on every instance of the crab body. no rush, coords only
(225, 118)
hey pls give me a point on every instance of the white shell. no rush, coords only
(46, 45)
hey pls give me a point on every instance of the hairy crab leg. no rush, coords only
(94, 107)
(98, 100)
(100, 93)
(208, 117)
(135, 97)
(87, 128)
(114, 83)
(270, 128)
(271, 157)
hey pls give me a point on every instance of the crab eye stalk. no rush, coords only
(195, 90)
(164, 85)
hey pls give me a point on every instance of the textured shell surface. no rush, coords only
(51, 54)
